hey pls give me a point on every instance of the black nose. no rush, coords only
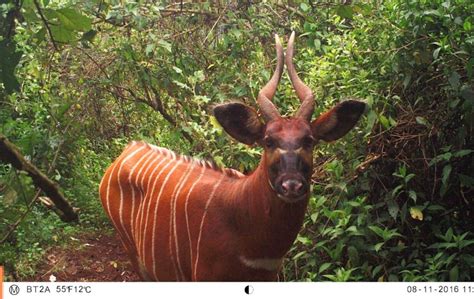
(292, 187)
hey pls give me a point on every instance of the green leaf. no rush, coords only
(353, 254)
(436, 53)
(149, 49)
(304, 7)
(177, 70)
(324, 267)
(371, 118)
(378, 246)
(384, 121)
(408, 178)
(10, 58)
(454, 274)
(377, 270)
(314, 217)
(377, 230)
(443, 157)
(432, 12)
(393, 208)
(412, 195)
(165, 45)
(421, 120)
(446, 172)
(444, 178)
(463, 153)
(397, 190)
(467, 25)
(61, 34)
(317, 44)
(73, 19)
(298, 255)
(449, 235)
(345, 11)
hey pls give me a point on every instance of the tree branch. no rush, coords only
(9, 153)
(40, 12)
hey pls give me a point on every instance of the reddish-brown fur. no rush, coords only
(243, 219)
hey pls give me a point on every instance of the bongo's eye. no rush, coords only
(269, 142)
(308, 142)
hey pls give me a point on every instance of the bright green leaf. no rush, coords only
(304, 7)
(72, 20)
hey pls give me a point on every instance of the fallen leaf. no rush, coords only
(416, 213)
(52, 259)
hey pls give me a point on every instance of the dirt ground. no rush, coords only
(87, 258)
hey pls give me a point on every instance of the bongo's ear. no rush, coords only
(240, 121)
(339, 120)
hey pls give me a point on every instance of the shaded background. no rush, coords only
(392, 201)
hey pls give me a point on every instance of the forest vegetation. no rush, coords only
(392, 201)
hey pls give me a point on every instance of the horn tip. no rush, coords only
(292, 36)
(277, 39)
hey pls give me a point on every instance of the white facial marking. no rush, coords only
(282, 151)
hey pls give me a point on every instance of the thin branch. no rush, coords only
(215, 23)
(171, 11)
(20, 219)
(293, 10)
(40, 12)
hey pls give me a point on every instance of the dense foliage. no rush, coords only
(392, 201)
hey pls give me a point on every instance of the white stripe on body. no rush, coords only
(150, 200)
(107, 197)
(129, 179)
(147, 202)
(131, 155)
(148, 156)
(202, 224)
(177, 163)
(186, 214)
(137, 233)
(174, 200)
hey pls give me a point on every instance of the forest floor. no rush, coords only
(87, 258)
